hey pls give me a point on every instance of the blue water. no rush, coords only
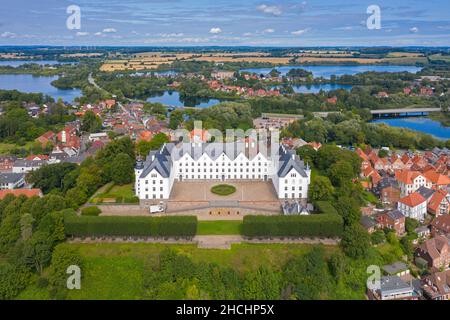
(327, 71)
(18, 63)
(426, 125)
(28, 83)
(316, 88)
(172, 98)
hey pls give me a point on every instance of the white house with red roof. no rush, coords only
(413, 206)
(409, 181)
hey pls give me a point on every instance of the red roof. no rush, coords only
(413, 200)
(19, 192)
(436, 200)
(37, 157)
(437, 178)
(406, 176)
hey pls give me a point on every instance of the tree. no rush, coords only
(308, 275)
(51, 176)
(355, 241)
(26, 226)
(307, 154)
(176, 118)
(76, 197)
(337, 265)
(90, 122)
(377, 237)
(158, 140)
(13, 279)
(321, 189)
(122, 169)
(340, 172)
(411, 225)
(262, 284)
(63, 256)
(349, 209)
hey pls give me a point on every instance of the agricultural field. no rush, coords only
(440, 57)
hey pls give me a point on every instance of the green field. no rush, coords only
(223, 227)
(114, 271)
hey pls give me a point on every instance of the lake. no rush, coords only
(327, 71)
(426, 125)
(172, 98)
(18, 63)
(316, 88)
(29, 83)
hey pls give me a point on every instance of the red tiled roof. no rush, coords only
(436, 200)
(442, 223)
(406, 176)
(19, 192)
(413, 200)
(437, 178)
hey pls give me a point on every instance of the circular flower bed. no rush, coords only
(223, 189)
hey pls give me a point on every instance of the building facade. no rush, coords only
(221, 162)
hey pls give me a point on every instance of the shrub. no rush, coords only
(317, 225)
(86, 226)
(91, 211)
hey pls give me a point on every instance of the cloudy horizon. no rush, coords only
(282, 23)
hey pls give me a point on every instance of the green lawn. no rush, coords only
(222, 227)
(114, 271)
(223, 189)
(112, 192)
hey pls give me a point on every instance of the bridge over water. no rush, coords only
(392, 113)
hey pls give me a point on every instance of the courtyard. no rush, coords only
(196, 196)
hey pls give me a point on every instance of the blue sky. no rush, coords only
(231, 22)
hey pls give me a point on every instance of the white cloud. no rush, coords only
(247, 34)
(215, 30)
(300, 32)
(273, 10)
(414, 30)
(98, 34)
(82, 34)
(269, 30)
(171, 35)
(8, 34)
(109, 30)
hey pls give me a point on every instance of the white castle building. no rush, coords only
(156, 175)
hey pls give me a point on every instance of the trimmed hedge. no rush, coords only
(91, 211)
(86, 226)
(316, 225)
(325, 207)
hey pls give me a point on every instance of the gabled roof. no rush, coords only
(437, 178)
(395, 214)
(435, 246)
(406, 176)
(413, 200)
(290, 161)
(436, 200)
(442, 223)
